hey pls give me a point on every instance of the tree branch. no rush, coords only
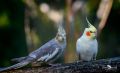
(103, 13)
(102, 65)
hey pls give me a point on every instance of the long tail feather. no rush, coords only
(18, 65)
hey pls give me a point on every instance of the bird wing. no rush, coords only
(47, 51)
(50, 55)
(80, 47)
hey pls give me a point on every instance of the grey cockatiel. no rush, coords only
(49, 52)
(87, 45)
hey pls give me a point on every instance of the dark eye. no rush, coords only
(91, 32)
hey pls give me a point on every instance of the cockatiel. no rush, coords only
(48, 53)
(87, 45)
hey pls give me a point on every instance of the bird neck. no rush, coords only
(61, 43)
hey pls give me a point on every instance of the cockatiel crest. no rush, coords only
(61, 35)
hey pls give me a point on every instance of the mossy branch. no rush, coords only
(102, 65)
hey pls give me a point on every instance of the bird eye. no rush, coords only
(91, 32)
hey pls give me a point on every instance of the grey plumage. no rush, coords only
(49, 52)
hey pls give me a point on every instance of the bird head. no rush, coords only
(61, 35)
(91, 31)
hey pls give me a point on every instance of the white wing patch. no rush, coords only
(48, 56)
(43, 58)
(53, 54)
(32, 55)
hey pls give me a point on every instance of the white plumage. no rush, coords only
(86, 45)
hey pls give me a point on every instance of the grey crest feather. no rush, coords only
(60, 28)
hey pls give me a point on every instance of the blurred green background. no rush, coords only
(25, 25)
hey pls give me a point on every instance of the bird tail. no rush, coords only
(18, 65)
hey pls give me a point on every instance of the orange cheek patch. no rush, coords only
(88, 33)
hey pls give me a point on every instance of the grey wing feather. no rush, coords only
(47, 51)
(54, 54)
(41, 50)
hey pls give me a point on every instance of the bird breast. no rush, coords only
(86, 48)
